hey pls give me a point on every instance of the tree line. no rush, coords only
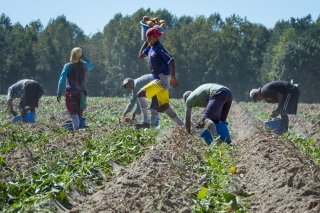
(231, 51)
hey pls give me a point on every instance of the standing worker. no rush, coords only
(162, 67)
(284, 93)
(135, 85)
(215, 98)
(73, 76)
(29, 92)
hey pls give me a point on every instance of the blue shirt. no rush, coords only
(66, 69)
(158, 59)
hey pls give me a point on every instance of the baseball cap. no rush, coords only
(153, 32)
(253, 93)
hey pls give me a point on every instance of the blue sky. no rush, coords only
(93, 15)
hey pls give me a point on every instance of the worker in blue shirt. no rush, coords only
(162, 66)
(73, 77)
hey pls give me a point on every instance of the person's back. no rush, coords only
(76, 77)
(200, 96)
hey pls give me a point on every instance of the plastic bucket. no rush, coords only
(145, 27)
(205, 134)
(275, 126)
(223, 131)
(30, 117)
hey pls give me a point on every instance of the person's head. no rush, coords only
(256, 95)
(153, 35)
(186, 95)
(76, 54)
(128, 83)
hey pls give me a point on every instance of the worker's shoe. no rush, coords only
(142, 125)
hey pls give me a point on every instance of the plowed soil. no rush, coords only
(279, 177)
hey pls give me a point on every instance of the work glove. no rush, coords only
(173, 81)
(274, 114)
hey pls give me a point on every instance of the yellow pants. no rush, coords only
(155, 88)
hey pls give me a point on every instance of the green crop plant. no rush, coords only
(217, 170)
(58, 161)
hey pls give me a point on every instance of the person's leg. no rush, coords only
(154, 117)
(226, 107)
(143, 106)
(214, 107)
(217, 109)
(163, 98)
(75, 121)
(22, 105)
(284, 123)
(148, 91)
(73, 106)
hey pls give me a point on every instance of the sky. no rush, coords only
(91, 16)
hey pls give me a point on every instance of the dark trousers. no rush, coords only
(219, 105)
(289, 103)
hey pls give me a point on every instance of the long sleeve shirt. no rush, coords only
(64, 80)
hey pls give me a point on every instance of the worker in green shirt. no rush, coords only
(215, 98)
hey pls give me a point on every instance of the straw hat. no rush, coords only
(76, 54)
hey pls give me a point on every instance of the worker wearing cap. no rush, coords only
(215, 98)
(29, 92)
(135, 85)
(284, 93)
(73, 77)
(162, 66)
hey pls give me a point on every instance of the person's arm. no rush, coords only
(277, 111)
(88, 63)
(10, 107)
(172, 66)
(188, 119)
(141, 51)
(132, 102)
(62, 81)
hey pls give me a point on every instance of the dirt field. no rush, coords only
(280, 178)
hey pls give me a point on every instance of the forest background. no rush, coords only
(231, 51)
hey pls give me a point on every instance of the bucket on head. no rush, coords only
(30, 118)
(275, 125)
(223, 131)
(205, 134)
(145, 27)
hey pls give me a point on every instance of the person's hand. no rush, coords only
(274, 114)
(58, 98)
(173, 81)
(200, 124)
